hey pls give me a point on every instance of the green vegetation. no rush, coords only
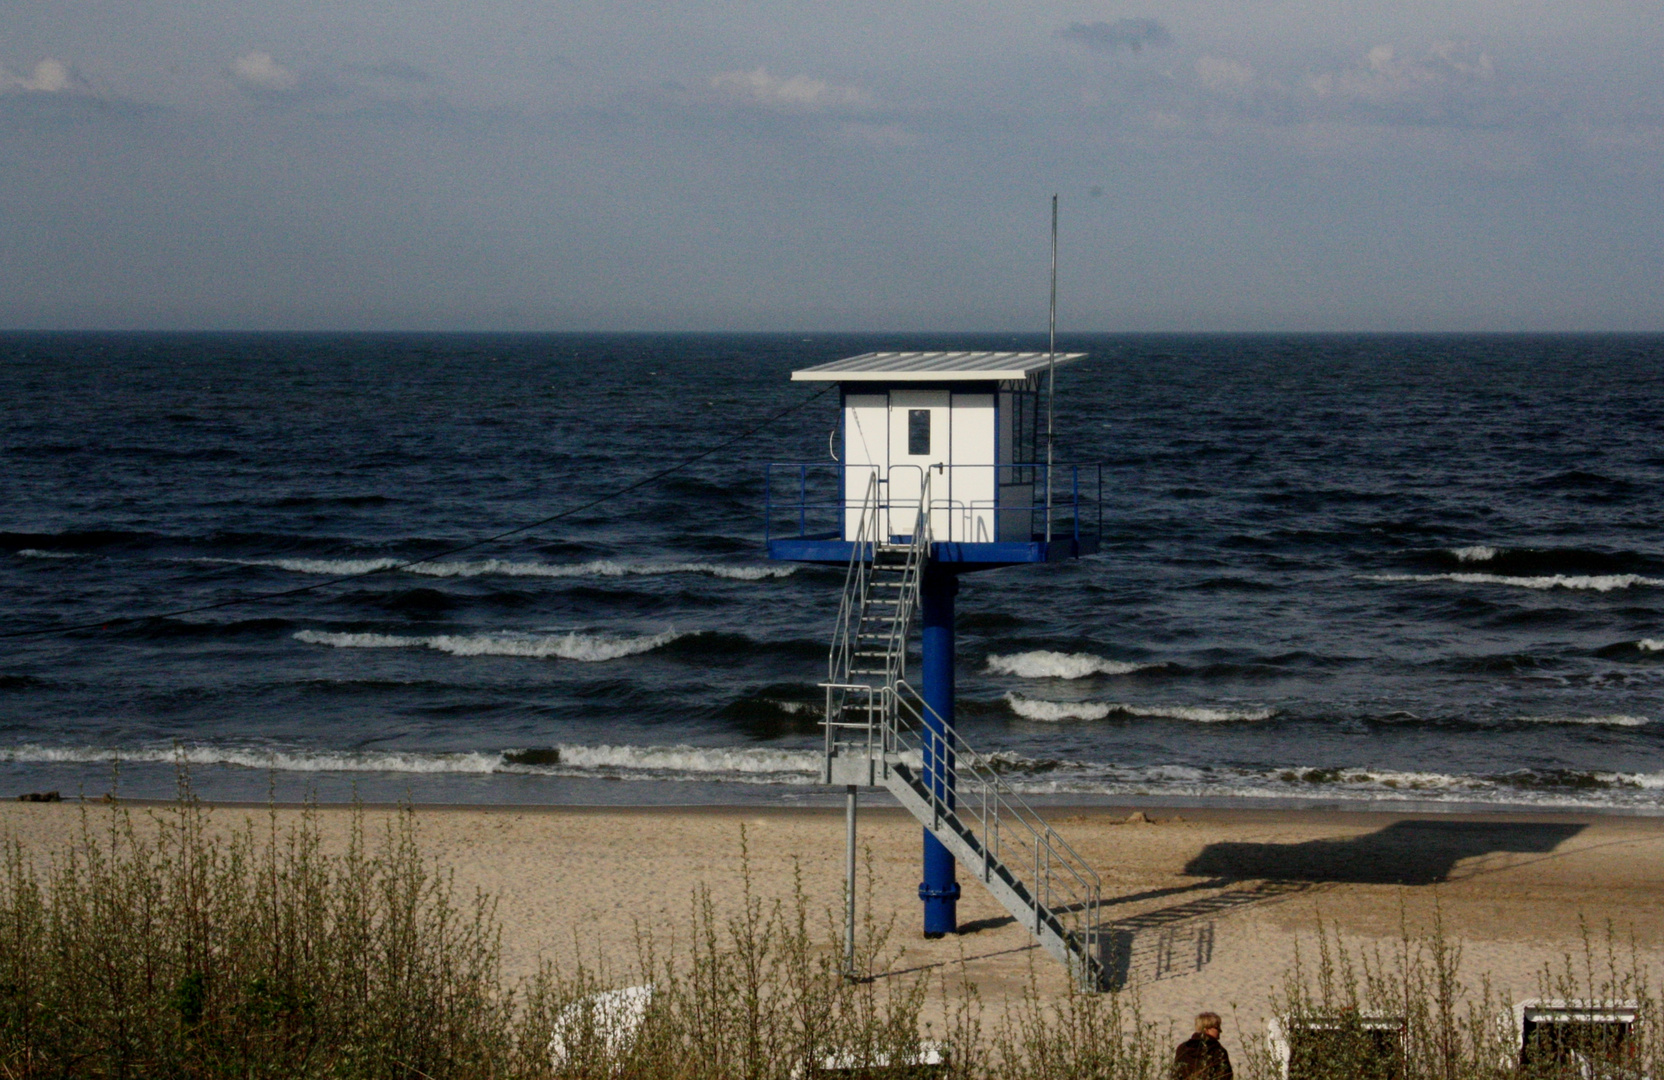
(1407, 1014)
(168, 949)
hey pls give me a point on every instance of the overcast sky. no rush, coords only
(866, 165)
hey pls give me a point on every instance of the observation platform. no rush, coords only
(807, 512)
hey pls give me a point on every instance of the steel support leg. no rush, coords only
(939, 890)
(849, 882)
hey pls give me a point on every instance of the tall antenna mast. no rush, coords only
(1051, 374)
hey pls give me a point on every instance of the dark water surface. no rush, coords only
(1334, 569)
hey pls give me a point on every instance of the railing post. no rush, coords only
(849, 884)
(1075, 481)
(1100, 471)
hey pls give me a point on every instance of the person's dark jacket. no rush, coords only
(1200, 1057)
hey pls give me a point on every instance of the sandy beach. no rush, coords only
(1207, 905)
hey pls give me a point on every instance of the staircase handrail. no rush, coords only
(1065, 887)
(918, 553)
(855, 585)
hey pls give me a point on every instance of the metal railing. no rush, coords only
(857, 619)
(884, 721)
(1064, 887)
(810, 500)
(857, 588)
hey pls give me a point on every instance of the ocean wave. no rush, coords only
(37, 553)
(320, 761)
(1611, 720)
(1648, 644)
(744, 764)
(602, 568)
(799, 768)
(570, 646)
(1476, 553)
(1042, 664)
(694, 760)
(1040, 709)
(1596, 582)
(1035, 709)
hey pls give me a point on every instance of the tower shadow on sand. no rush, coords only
(1412, 852)
(1179, 939)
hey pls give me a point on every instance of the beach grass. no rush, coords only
(156, 944)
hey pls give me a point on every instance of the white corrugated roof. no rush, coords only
(931, 366)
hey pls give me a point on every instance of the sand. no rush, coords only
(1207, 904)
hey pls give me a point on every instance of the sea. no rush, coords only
(1415, 572)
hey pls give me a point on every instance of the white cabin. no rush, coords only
(975, 420)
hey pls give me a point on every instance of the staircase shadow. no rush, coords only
(1412, 852)
(1163, 943)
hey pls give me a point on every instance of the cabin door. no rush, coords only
(920, 435)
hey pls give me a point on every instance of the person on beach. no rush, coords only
(1201, 1057)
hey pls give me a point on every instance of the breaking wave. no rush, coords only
(37, 553)
(1596, 582)
(1648, 644)
(571, 646)
(1613, 720)
(1040, 709)
(650, 762)
(601, 568)
(1035, 709)
(1476, 553)
(799, 769)
(1042, 664)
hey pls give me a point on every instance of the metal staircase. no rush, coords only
(880, 732)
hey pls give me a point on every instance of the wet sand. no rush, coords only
(1205, 905)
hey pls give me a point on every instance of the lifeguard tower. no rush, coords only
(942, 468)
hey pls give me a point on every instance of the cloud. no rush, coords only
(258, 71)
(799, 93)
(1383, 75)
(1129, 34)
(1448, 84)
(1224, 76)
(49, 77)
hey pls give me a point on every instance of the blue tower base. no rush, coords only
(939, 890)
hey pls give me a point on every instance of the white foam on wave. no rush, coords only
(1610, 720)
(1476, 553)
(1040, 709)
(262, 758)
(800, 768)
(571, 646)
(1648, 644)
(510, 568)
(1042, 664)
(600, 568)
(1053, 711)
(736, 764)
(37, 553)
(332, 567)
(694, 760)
(1200, 714)
(1595, 582)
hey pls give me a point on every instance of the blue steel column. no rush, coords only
(939, 891)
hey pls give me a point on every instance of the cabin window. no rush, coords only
(918, 431)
